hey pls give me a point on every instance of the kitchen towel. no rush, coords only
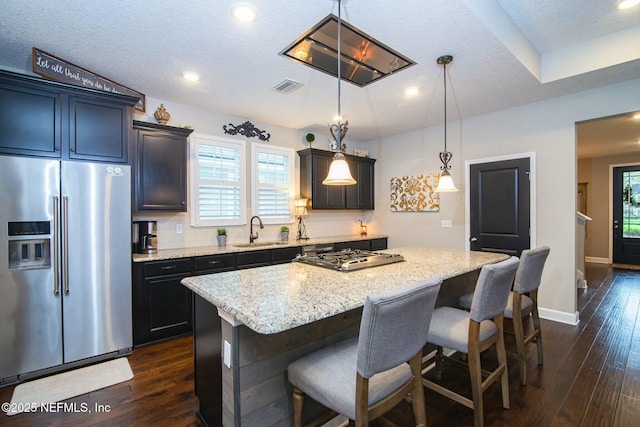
(29, 396)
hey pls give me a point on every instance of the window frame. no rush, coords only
(195, 181)
(256, 149)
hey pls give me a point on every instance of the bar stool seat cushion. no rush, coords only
(465, 302)
(329, 376)
(526, 304)
(450, 328)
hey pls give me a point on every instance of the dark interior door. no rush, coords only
(499, 206)
(626, 215)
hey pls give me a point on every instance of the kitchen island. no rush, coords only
(261, 319)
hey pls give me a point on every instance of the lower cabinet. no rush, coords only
(162, 306)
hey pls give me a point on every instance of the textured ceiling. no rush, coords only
(499, 49)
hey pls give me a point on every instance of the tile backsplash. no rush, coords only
(318, 224)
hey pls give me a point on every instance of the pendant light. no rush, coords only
(339, 173)
(445, 183)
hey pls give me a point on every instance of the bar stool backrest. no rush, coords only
(530, 272)
(394, 326)
(492, 289)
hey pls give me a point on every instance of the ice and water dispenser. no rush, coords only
(29, 244)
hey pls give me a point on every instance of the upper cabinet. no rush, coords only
(314, 166)
(42, 118)
(160, 168)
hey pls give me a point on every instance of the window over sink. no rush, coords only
(273, 185)
(218, 181)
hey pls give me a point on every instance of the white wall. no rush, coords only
(208, 122)
(546, 128)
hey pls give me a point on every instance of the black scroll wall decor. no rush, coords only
(247, 129)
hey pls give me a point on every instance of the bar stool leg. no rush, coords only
(475, 372)
(298, 402)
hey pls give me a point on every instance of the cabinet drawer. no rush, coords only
(164, 268)
(214, 263)
(254, 259)
(355, 244)
(282, 255)
(378, 244)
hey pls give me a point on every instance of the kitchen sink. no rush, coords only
(258, 244)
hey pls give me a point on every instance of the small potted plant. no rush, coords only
(222, 237)
(310, 138)
(284, 233)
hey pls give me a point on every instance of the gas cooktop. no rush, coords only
(349, 259)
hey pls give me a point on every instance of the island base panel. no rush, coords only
(207, 361)
(258, 391)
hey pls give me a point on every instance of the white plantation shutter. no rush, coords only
(217, 181)
(273, 179)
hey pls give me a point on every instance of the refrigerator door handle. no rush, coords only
(65, 243)
(56, 245)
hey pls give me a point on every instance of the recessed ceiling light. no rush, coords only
(636, 116)
(191, 76)
(411, 91)
(244, 12)
(627, 4)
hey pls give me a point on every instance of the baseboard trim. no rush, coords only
(597, 260)
(559, 316)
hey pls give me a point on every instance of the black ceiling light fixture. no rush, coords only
(364, 59)
(445, 183)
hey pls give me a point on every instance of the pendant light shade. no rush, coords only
(445, 183)
(339, 173)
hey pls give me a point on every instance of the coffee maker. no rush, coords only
(145, 238)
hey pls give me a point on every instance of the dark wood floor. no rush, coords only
(591, 375)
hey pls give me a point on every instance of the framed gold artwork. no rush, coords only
(415, 193)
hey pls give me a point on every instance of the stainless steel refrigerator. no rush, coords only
(65, 264)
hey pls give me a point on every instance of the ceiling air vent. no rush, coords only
(286, 86)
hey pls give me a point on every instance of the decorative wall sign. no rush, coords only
(415, 193)
(58, 69)
(247, 129)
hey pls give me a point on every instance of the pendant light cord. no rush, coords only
(445, 105)
(339, 137)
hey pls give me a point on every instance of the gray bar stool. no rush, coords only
(364, 377)
(474, 332)
(522, 303)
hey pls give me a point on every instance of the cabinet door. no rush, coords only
(169, 307)
(98, 130)
(29, 121)
(325, 196)
(360, 195)
(161, 162)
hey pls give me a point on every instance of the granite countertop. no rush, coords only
(163, 254)
(280, 297)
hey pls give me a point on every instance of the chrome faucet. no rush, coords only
(253, 237)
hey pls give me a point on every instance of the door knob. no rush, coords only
(473, 239)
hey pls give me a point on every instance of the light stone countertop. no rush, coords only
(164, 254)
(280, 297)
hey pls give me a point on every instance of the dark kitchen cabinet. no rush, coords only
(162, 306)
(42, 118)
(214, 263)
(314, 166)
(356, 244)
(160, 168)
(254, 259)
(361, 195)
